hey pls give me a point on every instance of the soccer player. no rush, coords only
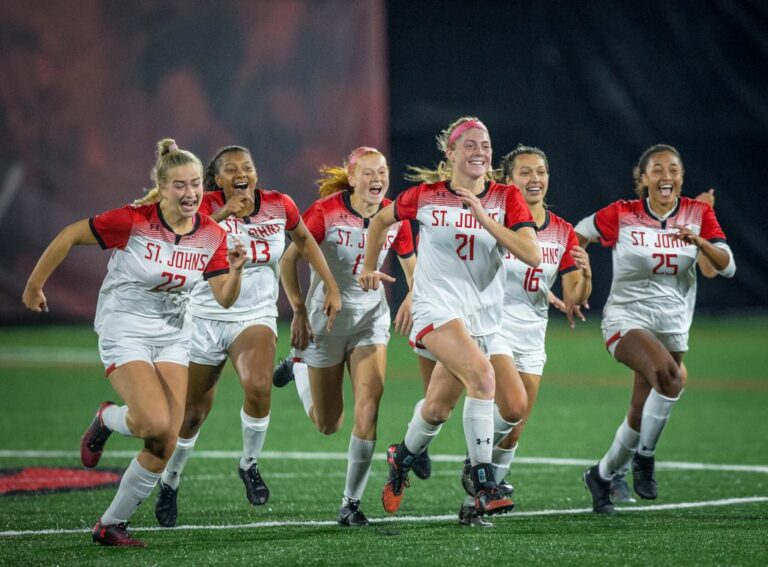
(161, 248)
(247, 331)
(466, 220)
(656, 240)
(352, 196)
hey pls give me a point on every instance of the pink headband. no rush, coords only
(463, 127)
(356, 154)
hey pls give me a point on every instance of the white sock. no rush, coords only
(501, 427)
(135, 487)
(254, 434)
(115, 418)
(301, 377)
(655, 416)
(359, 457)
(620, 452)
(502, 460)
(478, 429)
(172, 473)
(420, 432)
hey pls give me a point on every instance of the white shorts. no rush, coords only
(211, 339)
(329, 350)
(523, 341)
(613, 331)
(414, 340)
(115, 353)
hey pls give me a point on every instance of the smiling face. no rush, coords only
(663, 176)
(370, 179)
(182, 191)
(236, 172)
(471, 154)
(531, 176)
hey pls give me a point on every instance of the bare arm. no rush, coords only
(577, 285)
(404, 317)
(705, 266)
(522, 242)
(75, 234)
(301, 332)
(306, 245)
(226, 287)
(370, 277)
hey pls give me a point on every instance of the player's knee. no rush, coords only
(436, 412)
(482, 381)
(193, 420)
(153, 426)
(669, 379)
(328, 425)
(366, 414)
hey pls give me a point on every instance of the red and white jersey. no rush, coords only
(151, 271)
(340, 231)
(526, 291)
(459, 267)
(262, 233)
(650, 268)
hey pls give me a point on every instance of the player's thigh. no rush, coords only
(253, 355)
(510, 396)
(458, 352)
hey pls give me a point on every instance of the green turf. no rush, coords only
(47, 397)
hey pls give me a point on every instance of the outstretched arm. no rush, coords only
(370, 277)
(74, 235)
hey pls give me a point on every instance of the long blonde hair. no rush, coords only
(168, 156)
(444, 169)
(335, 178)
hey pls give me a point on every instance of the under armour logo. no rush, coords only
(645, 449)
(487, 441)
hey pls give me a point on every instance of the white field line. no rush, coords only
(339, 456)
(48, 356)
(401, 519)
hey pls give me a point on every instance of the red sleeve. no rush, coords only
(516, 213)
(710, 228)
(218, 264)
(407, 204)
(207, 204)
(112, 229)
(607, 224)
(292, 216)
(315, 221)
(403, 244)
(566, 262)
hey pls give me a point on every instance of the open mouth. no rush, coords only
(376, 190)
(240, 186)
(188, 205)
(534, 189)
(666, 190)
(477, 162)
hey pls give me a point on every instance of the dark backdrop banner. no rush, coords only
(88, 87)
(593, 84)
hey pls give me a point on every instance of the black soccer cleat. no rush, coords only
(422, 465)
(488, 499)
(505, 488)
(600, 490)
(94, 438)
(468, 515)
(283, 373)
(255, 488)
(165, 505)
(399, 460)
(644, 477)
(115, 535)
(466, 477)
(620, 489)
(350, 514)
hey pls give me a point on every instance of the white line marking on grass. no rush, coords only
(338, 456)
(402, 519)
(48, 356)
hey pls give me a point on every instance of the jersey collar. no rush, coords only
(346, 199)
(178, 237)
(480, 195)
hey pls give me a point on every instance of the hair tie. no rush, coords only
(355, 155)
(172, 147)
(463, 127)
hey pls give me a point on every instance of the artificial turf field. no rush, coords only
(712, 467)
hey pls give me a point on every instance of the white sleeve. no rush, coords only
(730, 270)
(586, 227)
